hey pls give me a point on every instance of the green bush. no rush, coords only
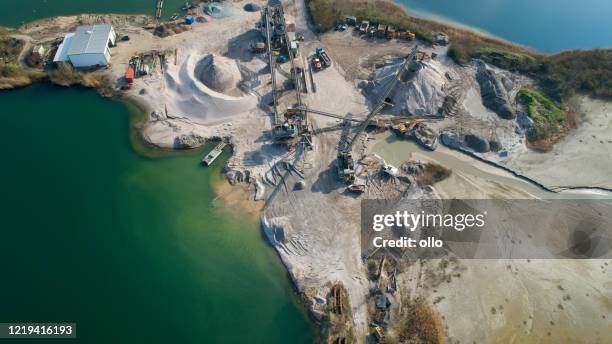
(585, 71)
(324, 14)
(547, 116)
(458, 54)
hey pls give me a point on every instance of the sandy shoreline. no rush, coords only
(238, 199)
(310, 219)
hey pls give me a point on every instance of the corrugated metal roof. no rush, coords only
(90, 39)
(62, 51)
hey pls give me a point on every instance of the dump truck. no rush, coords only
(320, 59)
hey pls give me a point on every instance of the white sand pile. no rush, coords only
(182, 94)
(217, 73)
(419, 92)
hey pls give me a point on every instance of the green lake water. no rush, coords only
(20, 11)
(132, 247)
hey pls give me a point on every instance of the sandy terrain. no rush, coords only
(182, 104)
(238, 198)
(316, 229)
(526, 301)
(582, 158)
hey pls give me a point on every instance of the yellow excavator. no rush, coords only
(407, 126)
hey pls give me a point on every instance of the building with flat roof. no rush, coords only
(87, 47)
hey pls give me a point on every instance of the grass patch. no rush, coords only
(548, 117)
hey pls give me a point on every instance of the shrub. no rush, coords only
(547, 116)
(433, 174)
(420, 323)
(9, 69)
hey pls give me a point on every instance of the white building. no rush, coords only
(87, 47)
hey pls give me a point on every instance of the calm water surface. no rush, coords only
(546, 25)
(134, 249)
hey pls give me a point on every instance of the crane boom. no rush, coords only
(345, 161)
(266, 12)
(327, 114)
(381, 102)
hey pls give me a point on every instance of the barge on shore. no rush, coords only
(214, 154)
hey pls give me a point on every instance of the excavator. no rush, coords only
(406, 127)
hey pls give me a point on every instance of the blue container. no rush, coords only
(189, 20)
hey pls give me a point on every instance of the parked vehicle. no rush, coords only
(351, 20)
(363, 28)
(320, 59)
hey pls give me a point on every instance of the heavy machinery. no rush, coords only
(346, 167)
(403, 128)
(293, 129)
(346, 163)
(320, 60)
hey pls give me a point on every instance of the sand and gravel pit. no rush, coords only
(218, 73)
(202, 88)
